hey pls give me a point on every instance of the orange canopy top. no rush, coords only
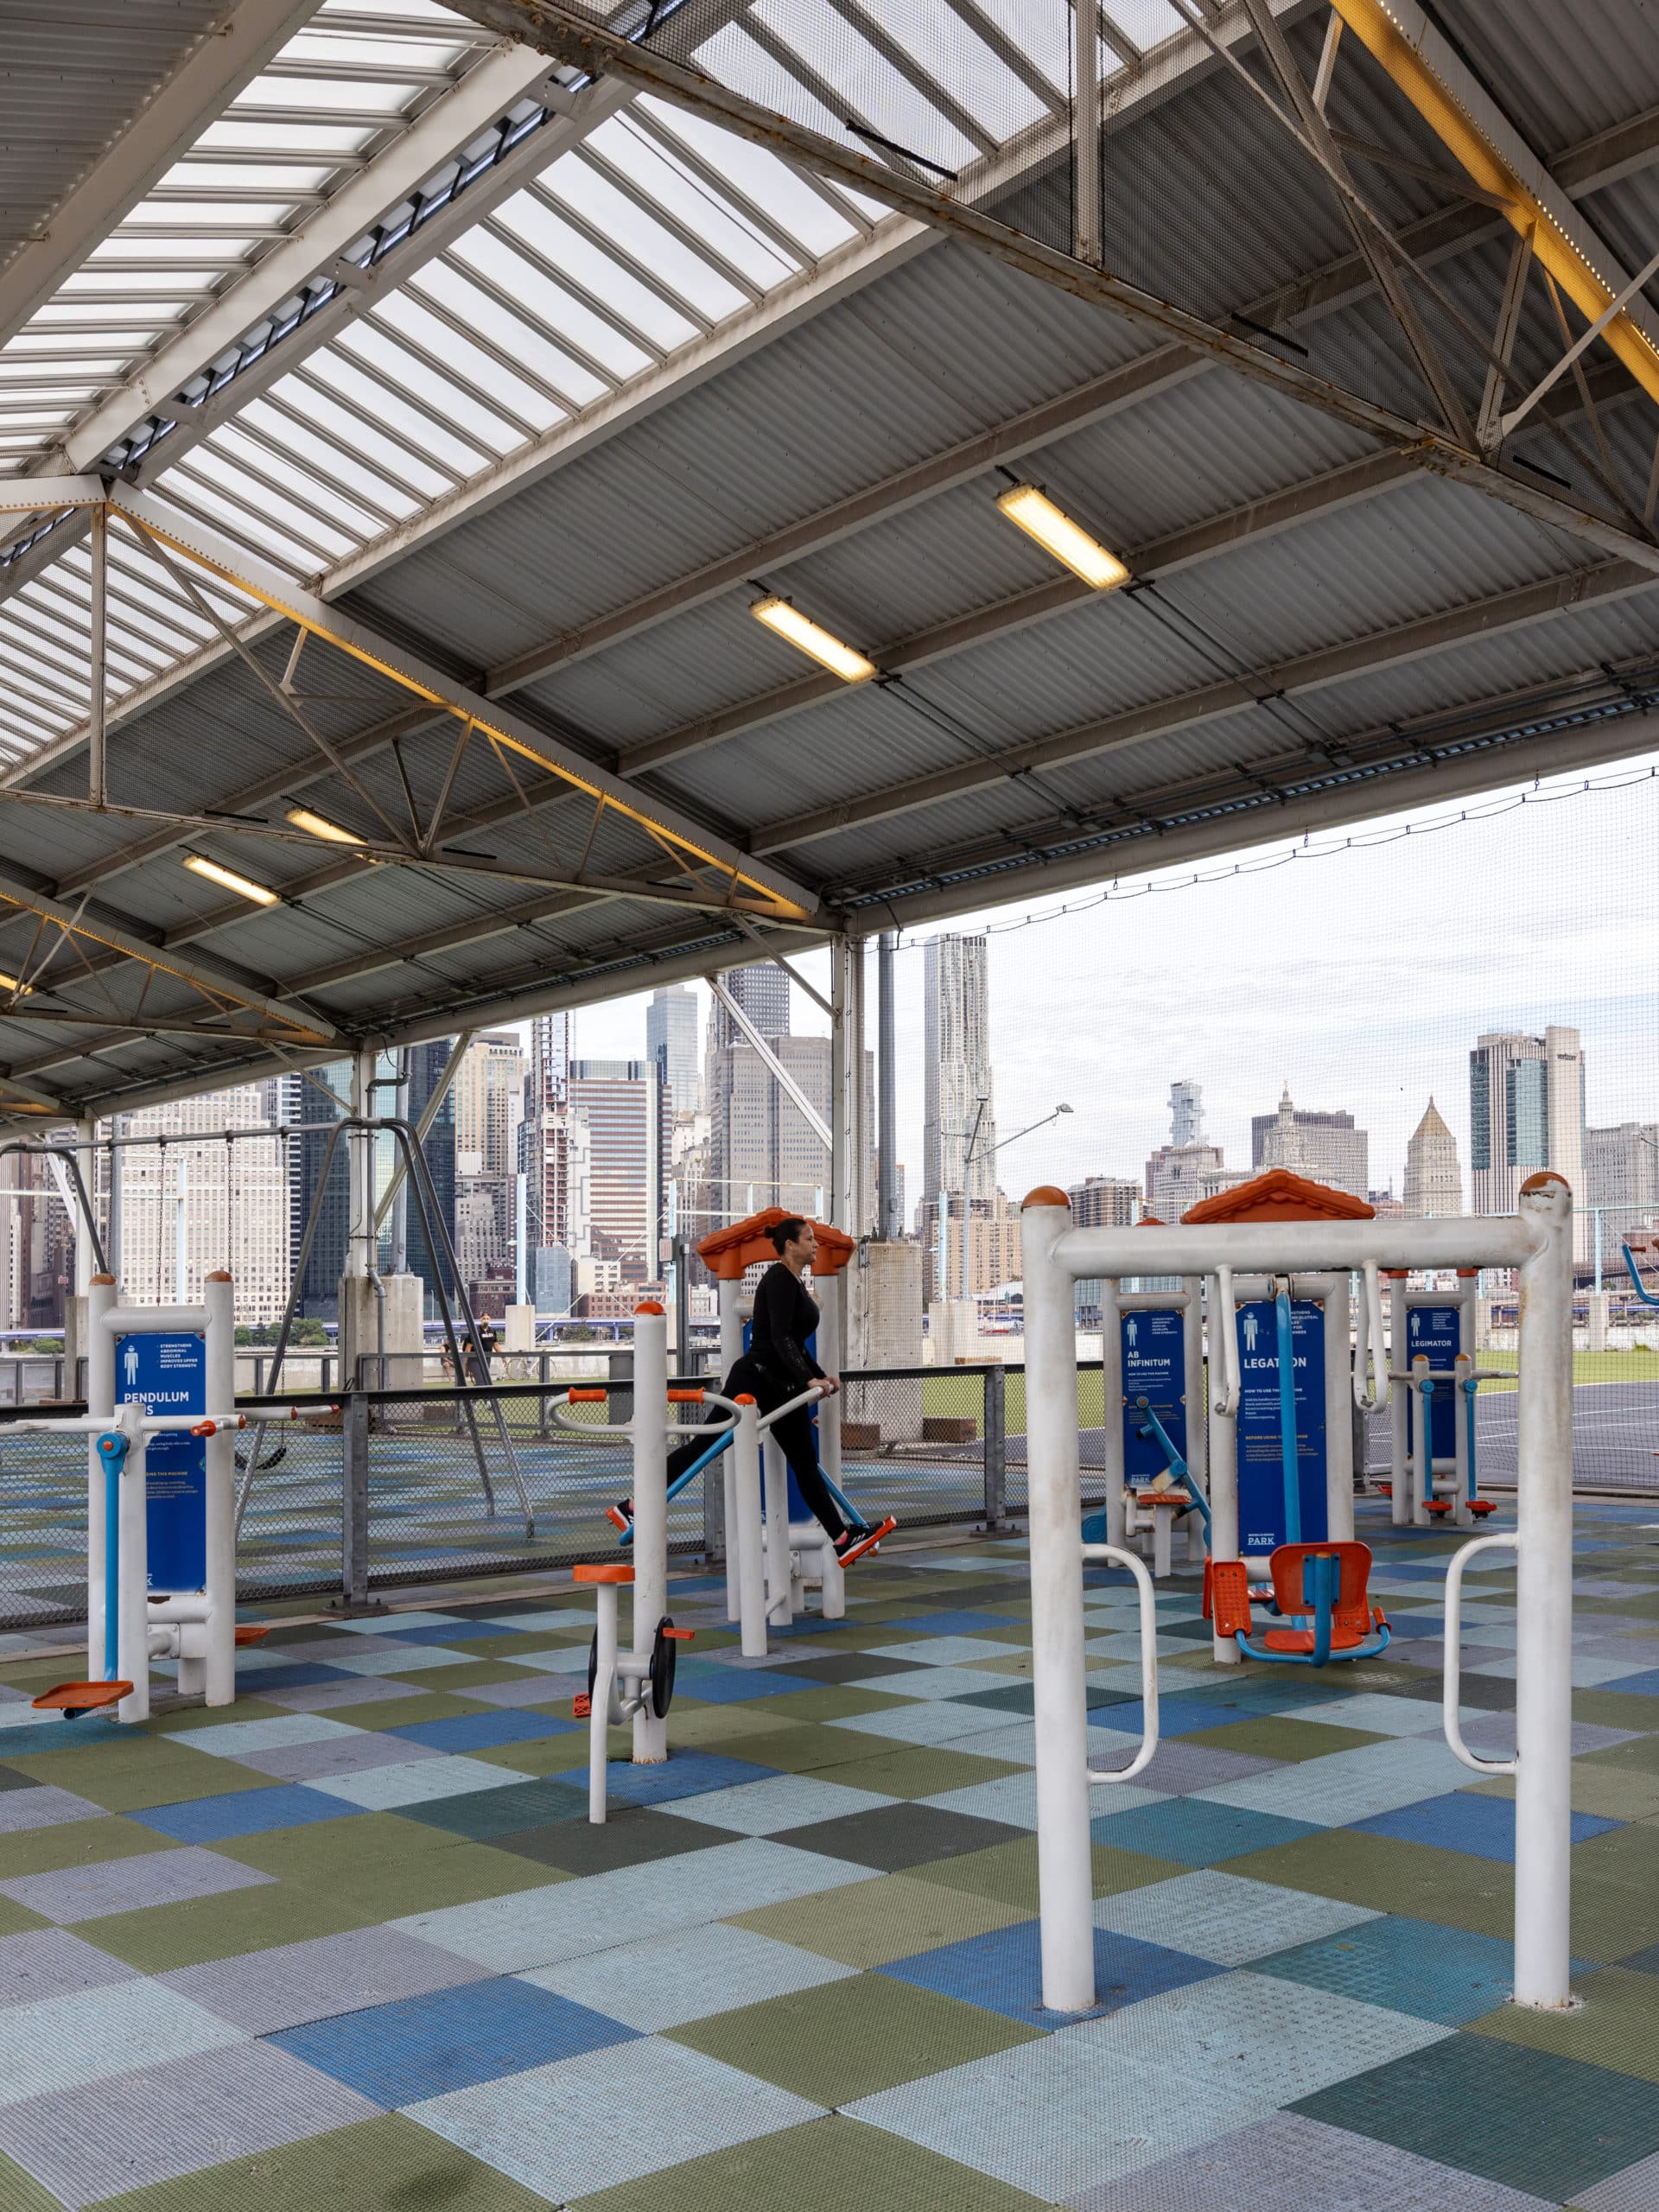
(729, 1253)
(1279, 1196)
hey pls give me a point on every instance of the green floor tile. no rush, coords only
(1448, 1887)
(383, 2165)
(832, 1701)
(548, 1755)
(1617, 2025)
(1008, 1871)
(404, 1711)
(1616, 1708)
(77, 1843)
(429, 1880)
(456, 1681)
(833, 2164)
(184, 1719)
(331, 1850)
(803, 1749)
(848, 2039)
(1612, 1793)
(1615, 1893)
(914, 1770)
(692, 1727)
(893, 1916)
(21, 2192)
(1274, 1737)
(163, 1936)
(129, 1777)
(1640, 1755)
(17, 1920)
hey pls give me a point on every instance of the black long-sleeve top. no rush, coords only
(784, 1317)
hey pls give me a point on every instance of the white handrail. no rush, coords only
(812, 1393)
(1226, 1399)
(1507, 1540)
(1373, 1397)
(1143, 1758)
(598, 1429)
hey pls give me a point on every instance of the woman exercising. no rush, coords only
(776, 1367)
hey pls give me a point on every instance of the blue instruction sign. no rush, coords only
(1434, 1331)
(1154, 1367)
(1261, 1526)
(166, 1372)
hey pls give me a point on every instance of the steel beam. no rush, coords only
(229, 55)
(769, 1059)
(1307, 672)
(582, 43)
(208, 550)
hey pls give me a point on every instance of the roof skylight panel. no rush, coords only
(966, 69)
(550, 297)
(240, 448)
(645, 237)
(525, 339)
(470, 359)
(582, 257)
(338, 410)
(371, 374)
(760, 177)
(271, 416)
(399, 357)
(825, 47)
(744, 252)
(191, 488)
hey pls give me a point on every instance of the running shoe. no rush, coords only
(853, 1543)
(620, 1515)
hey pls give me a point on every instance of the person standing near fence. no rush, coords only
(776, 1367)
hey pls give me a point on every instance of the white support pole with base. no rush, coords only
(101, 1662)
(1543, 1699)
(1339, 1412)
(1111, 1391)
(650, 1432)
(1065, 1872)
(1224, 1438)
(1399, 1403)
(745, 1555)
(214, 1673)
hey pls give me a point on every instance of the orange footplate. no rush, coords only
(250, 1634)
(73, 1698)
(1230, 1596)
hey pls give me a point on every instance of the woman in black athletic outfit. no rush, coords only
(777, 1367)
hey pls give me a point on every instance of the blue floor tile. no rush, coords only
(1637, 1685)
(244, 1812)
(1196, 1833)
(1413, 1966)
(1483, 1826)
(423, 2046)
(1002, 1972)
(716, 1685)
(482, 1731)
(303, 1675)
(1182, 1715)
(684, 1774)
(445, 1631)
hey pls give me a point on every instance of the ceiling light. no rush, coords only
(1035, 514)
(318, 825)
(230, 881)
(11, 983)
(789, 622)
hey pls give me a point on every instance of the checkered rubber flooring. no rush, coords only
(355, 1941)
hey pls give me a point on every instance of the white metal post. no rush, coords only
(598, 1715)
(1544, 1599)
(85, 1136)
(1111, 1392)
(650, 1426)
(1339, 1413)
(1087, 68)
(1422, 1462)
(745, 1556)
(778, 1609)
(132, 1569)
(731, 1351)
(360, 1238)
(1059, 1694)
(214, 1675)
(830, 1293)
(1197, 1456)
(100, 1404)
(1399, 1403)
(1223, 1440)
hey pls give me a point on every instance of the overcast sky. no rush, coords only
(1363, 976)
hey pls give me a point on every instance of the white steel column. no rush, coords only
(360, 1237)
(85, 1134)
(1197, 1439)
(1062, 1729)
(1544, 1600)
(101, 1664)
(649, 1507)
(215, 1674)
(1086, 68)
(97, 684)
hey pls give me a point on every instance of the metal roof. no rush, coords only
(519, 405)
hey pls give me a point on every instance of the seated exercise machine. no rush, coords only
(160, 1546)
(1282, 1226)
(1153, 1454)
(1432, 1430)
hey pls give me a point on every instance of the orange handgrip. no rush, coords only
(581, 1706)
(607, 1571)
(744, 1398)
(686, 1397)
(205, 1428)
(680, 1635)
(596, 1398)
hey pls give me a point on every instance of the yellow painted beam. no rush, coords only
(1380, 30)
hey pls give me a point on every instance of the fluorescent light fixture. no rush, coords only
(318, 825)
(230, 881)
(11, 983)
(1035, 514)
(810, 638)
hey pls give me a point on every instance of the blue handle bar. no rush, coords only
(1288, 1451)
(1177, 1465)
(1647, 1297)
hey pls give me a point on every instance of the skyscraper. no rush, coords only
(1186, 1112)
(762, 991)
(1434, 1179)
(959, 1106)
(621, 1102)
(1526, 1111)
(1621, 1174)
(235, 1201)
(1323, 1146)
(489, 1102)
(428, 1064)
(671, 1042)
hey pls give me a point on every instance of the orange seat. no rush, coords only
(1353, 1617)
(1175, 1497)
(612, 1571)
(251, 1634)
(1439, 1505)
(81, 1697)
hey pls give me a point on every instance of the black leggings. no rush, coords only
(794, 1435)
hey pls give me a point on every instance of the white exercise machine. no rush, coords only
(1432, 1362)
(1536, 1240)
